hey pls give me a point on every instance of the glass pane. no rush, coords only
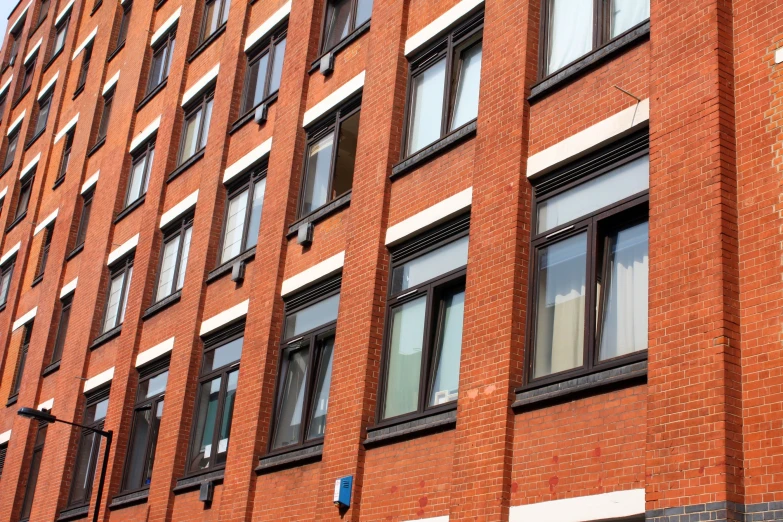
(211, 14)
(157, 68)
(624, 326)
(142, 428)
(43, 115)
(228, 412)
(62, 332)
(570, 32)
(97, 412)
(560, 321)
(10, 151)
(426, 111)
(224, 14)
(618, 184)
(205, 126)
(430, 265)
(150, 387)
(320, 313)
(467, 91)
(223, 356)
(166, 278)
(84, 469)
(136, 181)
(206, 418)
(169, 56)
(363, 12)
(32, 482)
(405, 346)
(5, 282)
(445, 387)
(183, 260)
(113, 307)
(251, 84)
(291, 400)
(277, 66)
(628, 13)
(257, 88)
(150, 158)
(346, 156)
(59, 39)
(323, 384)
(153, 444)
(125, 297)
(235, 224)
(24, 199)
(190, 140)
(255, 214)
(319, 163)
(337, 25)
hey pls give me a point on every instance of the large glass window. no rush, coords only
(43, 114)
(27, 79)
(88, 450)
(117, 298)
(103, 128)
(10, 150)
(60, 33)
(122, 33)
(25, 189)
(196, 128)
(43, 11)
(342, 18)
(215, 17)
(85, 68)
(174, 259)
(139, 178)
(62, 329)
(6, 273)
(21, 359)
(32, 475)
(424, 325)
(444, 86)
(161, 61)
(243, 215)
(264, 70)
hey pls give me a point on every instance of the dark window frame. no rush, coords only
(27, 77)
(247, 182)
(81, 230)
(63, 25)
(179, 228)
(45, 247)
(84, 69)
(26, 185)
(3, 453)
(45, 101)
(120, 267)
(8, 161)
(122, 31)
(266, 47)
(105, 121)
(21, 359)
(352, 27)
(202, 34)
(65, 159)
(62, 329)
(34, 471)
(3, 103)
(140, 154)
(6, 269)
(165, 45)
(16, 36)
(193, 107)
(92, 399)
(43, 12)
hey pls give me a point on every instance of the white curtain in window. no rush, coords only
(570, 31)
(628, 13)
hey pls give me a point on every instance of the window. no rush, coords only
(117, 300)
(24, 197)
(342, 18)
(144, 430)
(103, 128)
(215, 17)
(196, 128)
(60, 34)
(329, 169)
(2, 105)
(87, 452)
(44, 105)
(6, 273)
(15, 39)
(215, 400)
(122, 34)
(84, 220)
(85, 68)
(35, 467)
(161, 61)
(174, 259)
(305, 370)
(443, 94)
(264, 70)
(424, 322)
(573, 29)
(66, 158)
(27, 79)
(47, 243)
(42, 12)
(140, 173)
(3, 452)
(21, 359)
(62, 329)
(243, 220)
(10, 150)
(589, 274)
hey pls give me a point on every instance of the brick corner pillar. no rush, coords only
(496, 291)
(694, 428)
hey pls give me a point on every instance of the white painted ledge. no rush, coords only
(30, 166)
(3, 193)
(63, 12)
(16, 123)
(179, 209)
(582, 509)
(46, 405)
(201, 85)
(111, 83)
(144, 135)
(85, 43)
(123, 249)
(592, 138)
(163, 29)
(33, 50)
(69, 288)
(247, 161)
(48, 87)
(99, 380)
(45, 222)
(440, 25)
(5, 437)
(224, 318)
(433, 519)
(66, 128)
(265, 28)
(91, 181)
(779, 55)
(26, 318)
(12, 27)
(342, 93)
(10, 253)
(6, 85)
(155, 352)
(430, 217)
(314, 274)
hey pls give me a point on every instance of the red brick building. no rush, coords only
(525, 254)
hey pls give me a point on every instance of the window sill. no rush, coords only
(434, 150)
(162, 304)
(34, 139)
(569, 73)
(206, 43)
(129, 499)
(150, 95)
(115, 52)
(248, 117)
(74, 252)
(37, 280)
(587, 385)
(195, 481)
(50, 369)
(96, 7)
(186, 165)
(12, 400)
(290, 459)
(106, 337)
(16, 222)
(59, 181)
(74, 513)
(97, 146)
(52, 59)
(345, 42)
(320, 214)
(20, 98)
(78, 91)
(130, 208)
(424, 425)
(226, 267)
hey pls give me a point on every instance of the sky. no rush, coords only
(5, 10)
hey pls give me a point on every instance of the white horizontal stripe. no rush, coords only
(99, 380)
(92, 180)
(3, 192)
(5, 437)
(85, 43)
(12, 27)
(155, 352)
(343, 92)
(433, 519)
(179, 209)
(590, 139)
(67, 127)
(779, 55)
(111, 83)
(63, 12)
(10, 253)
(47, 405)
(201, 85)
(26, 318)
(123, 249)
(48, 219)
(6, 84)
(225, 317)
(247, 161)
(33, 50)
(49, 85)
(16, 123)
(265, 28)
(30, 166)
(69, 288)
(441, 24)
(582, 509)
(145, 134)
(163, 29)
(430, 217)
(314, 274)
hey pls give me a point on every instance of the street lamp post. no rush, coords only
(32, 413)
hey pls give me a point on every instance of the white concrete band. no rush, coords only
(46, 405)
(441, 24)
(69, 288)
(157, 351)
(163, 29)
(123, 249)
(779, 55)
(99, 380)
(6, 84)
(582, 509)
(592, 138)
(225, 317)
(247, 161)
(314, 274)
(30, 166)
(91, 181)
(201, 85)
(430, 217)
(5, 437)
(179, 209)
(148, 131)
(12, 27)
(342, 93)
(85, 43)
(63, 12)
(33, 50)
(66, 128)
(26, 318)
(16, 123)
(433, 519)
(45, 222)
(270, 23)
(110, 83)
(10, 253)
(3, 193)
(48, 87)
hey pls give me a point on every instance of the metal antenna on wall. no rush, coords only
(638, 101)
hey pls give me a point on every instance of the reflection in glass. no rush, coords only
(448, 348)
(235, 224)
(291, 397)
(468, 83)
(313, 316)
(426, 111)
(255, 214)
(429, 266)
(319, 163)
(337, 24)
(406, 344)
(570, 32)
(323, 384)
(628, 13)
